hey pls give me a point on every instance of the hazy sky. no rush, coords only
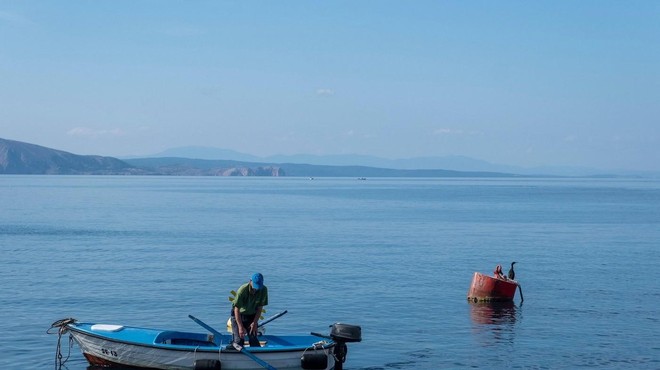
(513, 82)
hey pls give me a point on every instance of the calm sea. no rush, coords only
(394, 256)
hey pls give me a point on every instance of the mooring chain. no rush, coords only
(61, 329)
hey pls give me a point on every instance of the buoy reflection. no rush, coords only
(495, 321)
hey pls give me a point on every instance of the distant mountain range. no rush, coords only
(449, 163)
(24, 158)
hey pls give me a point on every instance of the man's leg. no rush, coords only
(254, 341)
(234, 332)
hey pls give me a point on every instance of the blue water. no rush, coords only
(394, 256)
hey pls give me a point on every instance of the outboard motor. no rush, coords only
(342, 334)
(345, 333)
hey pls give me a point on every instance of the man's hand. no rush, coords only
(253, 328)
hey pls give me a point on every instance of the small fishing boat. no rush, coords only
(119, 345)
(485, 288)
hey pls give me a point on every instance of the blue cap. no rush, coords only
(257, 281)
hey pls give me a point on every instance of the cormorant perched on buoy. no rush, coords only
(512, 274)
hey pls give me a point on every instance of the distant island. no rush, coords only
(19, 158)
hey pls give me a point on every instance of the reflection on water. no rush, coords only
(495, 320)
(494, 312)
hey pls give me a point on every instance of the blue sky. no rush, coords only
(522, 83)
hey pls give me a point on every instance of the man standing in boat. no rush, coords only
(250, 299)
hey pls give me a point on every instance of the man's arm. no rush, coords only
(255, 322)
(239, 322)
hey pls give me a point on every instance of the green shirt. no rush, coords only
(248, 299)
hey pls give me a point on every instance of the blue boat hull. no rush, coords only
(108, 345)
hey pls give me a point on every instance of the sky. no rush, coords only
(524, 83)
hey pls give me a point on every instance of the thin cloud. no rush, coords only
(94, 133)
(325, 92)
(451, 131)
(447, 131)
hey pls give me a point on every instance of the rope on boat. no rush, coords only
(61, 329)
(318, 345)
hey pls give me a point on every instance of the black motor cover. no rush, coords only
(345, 333)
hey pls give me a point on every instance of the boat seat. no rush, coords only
(183, 339)
(106, 327)
(189, 342)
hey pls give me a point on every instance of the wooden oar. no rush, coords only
(262, 323)
(271, 319)
(521, 295)
(217, 340)
(238, 347)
